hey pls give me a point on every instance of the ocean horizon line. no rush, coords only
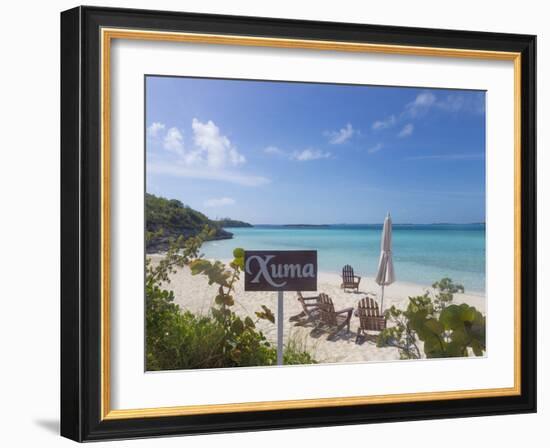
(369, 224)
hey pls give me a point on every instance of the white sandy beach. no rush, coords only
(194, 294)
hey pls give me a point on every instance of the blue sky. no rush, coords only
(283, 153)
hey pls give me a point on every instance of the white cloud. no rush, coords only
(212, 156)
(422, 102)
(424, 99)
(302, 156)
(236, 157)
(219, 150)
(309, 154)
(341, 136)
(274, 150)
(473, 102)
(173, 141)
(219, 202)
(454, 102)
(458, 102)
(155, 128)
(375, 148)
(193, 158)
(182, 170)
(211, 147)
(384, 124)
(406, 131)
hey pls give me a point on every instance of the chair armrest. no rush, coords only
(345, 310)
(358, 277)
(310, 298)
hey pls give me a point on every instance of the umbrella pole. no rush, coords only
(382, 301)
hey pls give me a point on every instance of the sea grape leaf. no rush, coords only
(249, 322)
(199, 266)
(476, 347)
(266, 314)
(432, 347)
(434, 325)
(451, 317)
(237, 326)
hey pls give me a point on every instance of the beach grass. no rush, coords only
(194, 294)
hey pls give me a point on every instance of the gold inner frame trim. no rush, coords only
(107, 35)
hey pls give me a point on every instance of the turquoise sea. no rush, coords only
(422, 253)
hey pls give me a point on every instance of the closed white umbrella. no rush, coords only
(385, 275)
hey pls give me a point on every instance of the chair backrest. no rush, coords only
(369, 315)
(303, 303)
(347, 274)
(326, 310)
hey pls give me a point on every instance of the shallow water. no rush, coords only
(422, 253)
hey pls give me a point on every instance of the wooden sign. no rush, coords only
(280, 270)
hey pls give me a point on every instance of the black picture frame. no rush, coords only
(81, 224)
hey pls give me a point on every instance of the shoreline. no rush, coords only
(334, 276)
(194, 294)
(426, 256)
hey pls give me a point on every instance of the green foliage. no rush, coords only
(242, 342)
(445, 291)
(182, 340)
(180, 253)
(266, 314)
(165, 325)
(467, 329)
(228, 223)
(297, 352)
(446, 330)
(169, 219)
(171, 214)
(177, 340)
(399, 334)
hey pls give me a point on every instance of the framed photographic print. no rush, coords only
(273, 223)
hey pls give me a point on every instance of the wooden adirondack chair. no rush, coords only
(349, 279)
(369, 317)
(310, 308)
(332, 318)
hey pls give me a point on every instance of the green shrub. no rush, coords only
(296, 351)
(178, 339)
(446, 330)
(183, 340)
(172, 215)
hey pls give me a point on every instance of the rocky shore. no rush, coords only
(161, 243)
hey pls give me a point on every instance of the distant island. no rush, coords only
(307, 226)
(228, 223)
(175, 219)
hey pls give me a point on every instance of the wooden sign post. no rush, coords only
(280, 270)
(280, 313)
